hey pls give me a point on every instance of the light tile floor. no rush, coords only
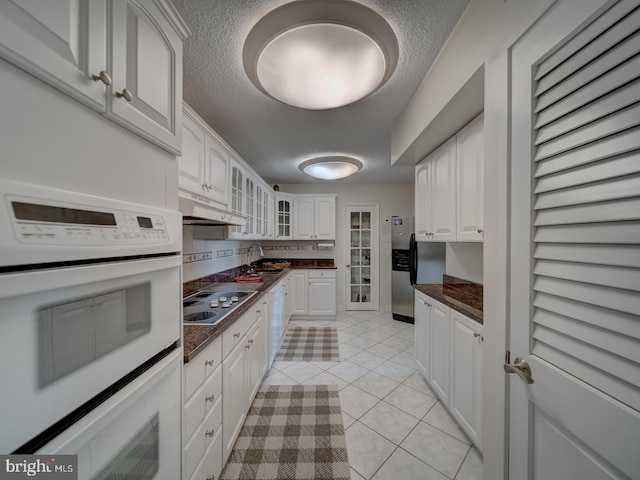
(395, 426)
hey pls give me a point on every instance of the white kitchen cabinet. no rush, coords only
(136, 80)
(62, 43)
(238, 175)
(203, 168)
(449, 189)
(146, 68)
(283, 216)
(242, 370)
(278, 316)
(466, 363)
(233, 397)
(322, 293)
(439, 350)
(264, 212)
(314, 217)
(470, 181)
(422, 315)
(443, 196)
(202, 413)
(423, 202)
(300, 292)
(249, 205)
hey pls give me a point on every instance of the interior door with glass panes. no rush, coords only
(362, 257)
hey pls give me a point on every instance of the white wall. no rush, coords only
(464, 260)
(393, 199)
(485, 26)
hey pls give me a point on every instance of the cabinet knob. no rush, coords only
(209, 433)
(209, 363)
(236, 335)
(126, 94)
(209, 398)
(103, 77)
(211, 477)
(250, 341)
(480, 231)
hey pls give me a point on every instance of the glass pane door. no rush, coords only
(284, 219)
(361, 284)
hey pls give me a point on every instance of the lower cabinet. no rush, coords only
(466, 362)
(448, 349)
(242, 372)
(314, 293)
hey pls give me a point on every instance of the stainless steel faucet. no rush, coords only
(249, 266)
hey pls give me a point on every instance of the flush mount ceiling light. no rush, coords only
(330, 168)
(319, 55)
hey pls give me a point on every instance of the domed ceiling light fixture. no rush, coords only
(330, 167)
(320, 55)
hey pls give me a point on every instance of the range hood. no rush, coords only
(196, 213)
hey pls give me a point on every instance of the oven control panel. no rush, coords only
(46, 223)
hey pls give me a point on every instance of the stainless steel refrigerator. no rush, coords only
(411, 262)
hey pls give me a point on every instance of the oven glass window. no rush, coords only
(74, 334)
(139, 459)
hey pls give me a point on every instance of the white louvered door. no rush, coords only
(575, 244)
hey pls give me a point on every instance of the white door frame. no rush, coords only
(375, 253)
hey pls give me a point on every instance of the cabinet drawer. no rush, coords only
(202, 402)
(325, 273)
(197, 371)
(202, 438)
(210, 467)
(232, 335)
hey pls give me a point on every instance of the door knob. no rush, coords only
(521, 368)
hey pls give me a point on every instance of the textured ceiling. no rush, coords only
(274, 138)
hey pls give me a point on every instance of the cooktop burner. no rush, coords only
(200, 317)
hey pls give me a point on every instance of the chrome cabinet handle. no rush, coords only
(250, 340)
(126, 94)
(209, 398)
(236, 335)
(521, 368)
(209, 433)
(209, 363)
(103, 77)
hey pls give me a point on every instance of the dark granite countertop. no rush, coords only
(197, 337)
(461, 295)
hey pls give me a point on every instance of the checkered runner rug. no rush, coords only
(291, 432)
(319, 344)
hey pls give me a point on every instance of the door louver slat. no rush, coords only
(601, 24)
(586, 239)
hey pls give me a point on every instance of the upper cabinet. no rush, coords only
(470, 181)
(284, 216)
(203, 168)
(449, 188)
(314, 217)
(122, 59)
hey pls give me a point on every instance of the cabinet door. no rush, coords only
(466, 376)
(470, 181)
(444, 193)
(249, 206)
(61, 43)
(322, 297)
(300, 283)
(439, 351)
(303, 224)
(216, 171)
(191, 163)
(146, 60)
(325, 218)
(256, 356)
(422, 332)
(284, 213)
(423, 201)
(234, 406)
(237, 197)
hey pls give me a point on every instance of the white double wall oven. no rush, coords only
(90, 330)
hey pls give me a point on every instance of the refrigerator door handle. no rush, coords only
(413, 259)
